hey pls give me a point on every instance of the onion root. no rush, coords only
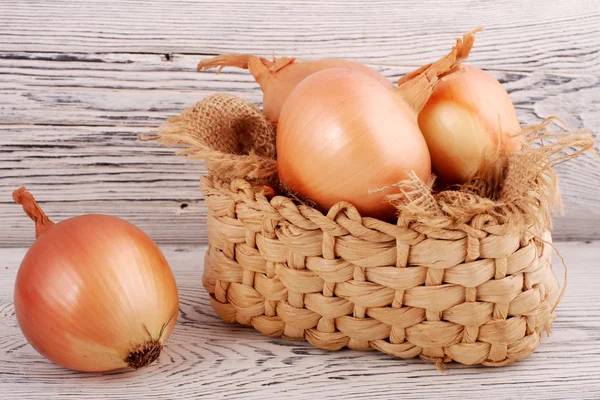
(144, 354)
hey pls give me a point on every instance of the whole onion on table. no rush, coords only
(94, 293)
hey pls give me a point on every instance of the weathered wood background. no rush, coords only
(79, 80)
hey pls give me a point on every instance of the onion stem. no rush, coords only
(417, 86)
(33, 210)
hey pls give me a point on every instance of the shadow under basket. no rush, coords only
(478, 295)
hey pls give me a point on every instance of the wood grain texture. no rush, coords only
(69, 123)
(78, 170)
(207, 358)
(532, 35)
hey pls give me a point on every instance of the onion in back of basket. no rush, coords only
(94, 293)
(466, 117)
(279, 77)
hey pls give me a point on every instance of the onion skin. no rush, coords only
(342, 134)
(94, 293)
(468, 115)
(279, 77)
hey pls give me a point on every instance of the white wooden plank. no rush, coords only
(540, 35)
(78, 170)
(207, 357)
(137, 90)
(81, 153)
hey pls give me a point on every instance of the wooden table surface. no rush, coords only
(79, 81)
(206, 357)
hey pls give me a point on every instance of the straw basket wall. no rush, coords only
(477, 294)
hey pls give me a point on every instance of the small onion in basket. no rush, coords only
(464, 118)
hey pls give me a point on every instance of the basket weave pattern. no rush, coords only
(477, 294)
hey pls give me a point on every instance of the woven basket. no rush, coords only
(479, 294)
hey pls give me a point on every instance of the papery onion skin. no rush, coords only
(341, 135)
(279, 77)
(94, 293)
(467, 115)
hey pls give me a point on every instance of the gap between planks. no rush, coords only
(207, 55)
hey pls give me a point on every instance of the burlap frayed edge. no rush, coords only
(519, 191)
(226, 166)
(229, 133)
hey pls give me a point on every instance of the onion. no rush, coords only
(94, 293)
(466, 117)
(279, 77)
(343, 135)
